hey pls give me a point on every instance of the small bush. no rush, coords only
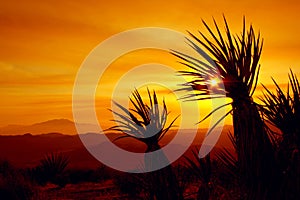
(13, 184)
(132, 185)
(52, 169)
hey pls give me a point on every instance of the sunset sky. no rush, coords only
(43, 43)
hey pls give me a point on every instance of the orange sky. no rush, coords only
(43, 43)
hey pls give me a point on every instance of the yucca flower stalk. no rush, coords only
(236, 57)
(147, 123)
(282, 109)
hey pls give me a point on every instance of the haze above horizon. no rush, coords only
(43, 44)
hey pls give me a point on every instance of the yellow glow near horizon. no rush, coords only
(43, 44)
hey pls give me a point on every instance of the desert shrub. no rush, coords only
(79, 175)
(14, 185)
(88, 175)
(183, 175)
(102, 173)
(132, 185)
(143, 186)
(51, 169)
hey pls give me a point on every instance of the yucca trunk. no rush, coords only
(162, 183)
(254, 149)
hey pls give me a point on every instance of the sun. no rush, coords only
(214, 82)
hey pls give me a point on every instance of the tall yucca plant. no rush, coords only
(147, 123)
(237, 59)
(282, 109)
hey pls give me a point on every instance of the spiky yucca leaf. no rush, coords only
(282, 109)
(236, 58)
(144, 122)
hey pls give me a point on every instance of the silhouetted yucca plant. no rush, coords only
(282, 109)
(147, 123)
(54, 163)
(144, 122)
(51, 168)
(237, 59)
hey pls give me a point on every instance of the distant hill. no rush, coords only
(26, 150)
(63, 126)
